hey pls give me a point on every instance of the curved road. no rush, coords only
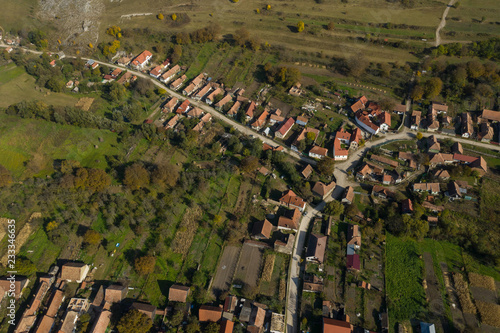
(340, 173)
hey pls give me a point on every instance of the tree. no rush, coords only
(475, 69)
(249, 164)
(160, 16)
(134, 322)
(176, 53)
(114, 31)
(334, 208)
(136, 176)
(92, 237)
(24, 266)
(300, 26)
(165, 174)
(5, 177)
(433, 87)
(145, 265)
(174, 17)
(268, 7)
(326, 166)
(330, 26)
(311, 136)
(357, 65)
(212, 328)
(417, 93)
(51, 226)
(241, 36)
(419, 136)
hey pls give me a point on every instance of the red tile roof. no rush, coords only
(141, 58)
(353, 262)
(491, 115)
(262, 228)
(319, 151)
(335, 326)
(210, 313)
(250, 110)
(286, 126)
(178, 293)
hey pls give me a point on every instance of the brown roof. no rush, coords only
(443, 174)
(72, 271)
(307, 171)
(491, 115)
(45, 325)
(316, 247)
(457, 148)
(302, 119)
(366, 120)
(432, 187)
(257, 317)
(480, 164)
(223, 101)
(454, 189)
(230, 303)
(203, 91)
(399, 108)
(262, 228)
(250, 110)
(353, 235)
(115, 293)
(141, 58)
(178, 293)
(234, 109)
(178, 81)
(365, 170)
(335, 326)
(349, 193)
(19, 284)
(439, 107)
(148, 309)
(323, 189)
(171, 72)
(210, 313)
(319, 151)
(407, 205)
(226, 326)
(55, 303)
(430, 206)
(195, 112)
(289, 198)
(384, 160)
(290, 219)
(382, 190)
(261, 120)
(102, 322)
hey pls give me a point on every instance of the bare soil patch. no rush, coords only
(225, 271)
(248, 269)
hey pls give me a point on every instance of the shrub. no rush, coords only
(160, 16)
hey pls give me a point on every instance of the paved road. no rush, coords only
(443, 21)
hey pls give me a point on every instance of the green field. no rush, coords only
(28, 147)
(16, 86)
(406, 296)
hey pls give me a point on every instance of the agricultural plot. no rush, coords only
(406, 295)
(280, 268)
(248, 269)
(227, 266)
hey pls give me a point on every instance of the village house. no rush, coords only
(123, 61)
(203, 92)
(348, 195)
(148, 309)
(289, 220)
(274, 118)
(432, 220)
(307, 171)
(76, 307)
(454, 191)
(466, 125)
(291, 200)
(74, 271)
(260, 121)
(284, 128)
(382, 192)
(193, 85)
(157, 71)
(432, 188)
(262, 229)
(336, 326)
(353, 262)
(384, 160)
(399, 109)
(386, 179)
(295, 90)
(169, 75)
(178, 82)
(102, 322)
(384, 120)
(490, 115)
(257, 317)
(170, 105)
(20, 283)
(226, 326)
(172, 122)
(206, 118)
(406, 207)
(220, 104)
(432, 121)
(303, 135)
(322, 190)
(441, 174)
(250, 111)
(302, 121)
(233, 111)
(415, 120)
(211, 97)
(360, 104)
(365, 123)
(433, 145)
(115, 293)
(354, 236)
(441, 158)
(184, 107)
(408, 157)
(316, 248)
(142, 60)
(209, 313)
(178, 293)
(194, 113)
(485, 132)
(457, 148)
(318, 152)
(438, 108)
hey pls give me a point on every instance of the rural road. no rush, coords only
(443, 21)
(340, 173)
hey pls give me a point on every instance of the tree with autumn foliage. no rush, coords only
(145, 264)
